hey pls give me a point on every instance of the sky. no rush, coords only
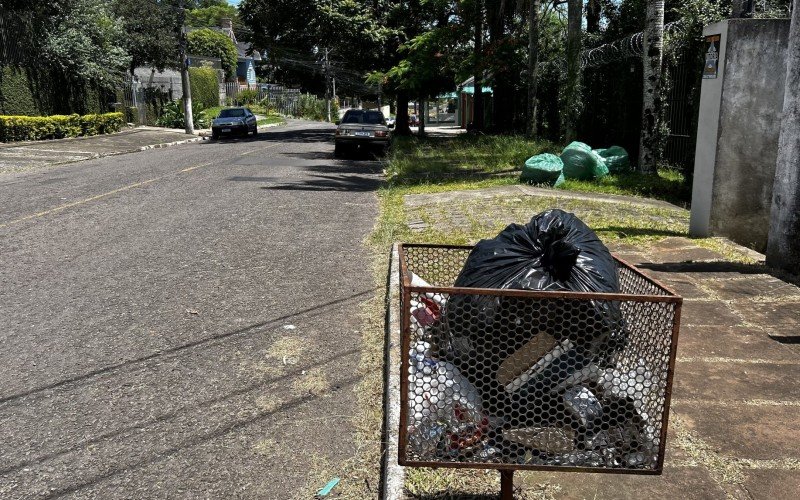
(234, 2)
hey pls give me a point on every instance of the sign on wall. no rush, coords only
(711, 67)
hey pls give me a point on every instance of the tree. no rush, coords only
(477, 96)
(593, 16)
(533, 63)
(296, 34)
(783, 245)
(208, 17)
(651, 107)
(210, 43)
(84, 41)
(150, 28)
(572, 89)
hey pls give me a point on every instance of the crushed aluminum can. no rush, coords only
(546, 439)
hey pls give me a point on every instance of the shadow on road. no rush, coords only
(347, 168)
(338, 183)
(178, 349)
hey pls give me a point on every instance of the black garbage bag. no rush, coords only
(555, 251)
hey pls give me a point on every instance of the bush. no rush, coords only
(247, 96)
(210, 43)
(173, 115)
(205, 87)
(312, 107)
(31, 128)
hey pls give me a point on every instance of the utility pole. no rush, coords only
(187, 88)
(327, 84)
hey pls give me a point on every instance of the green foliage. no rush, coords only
(205, 87)
(312, 107)
(85, 41)
(173, 117)
(208, 17)
(16, 97)
(247, 96)
(354, 31)
(26, 128)
(150, 32)
(47, 91)
(210, 43)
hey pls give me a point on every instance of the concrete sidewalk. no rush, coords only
(19, 156)
(735, 413)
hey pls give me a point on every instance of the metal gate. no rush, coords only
(680, 116)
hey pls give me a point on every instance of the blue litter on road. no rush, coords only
(328, 487)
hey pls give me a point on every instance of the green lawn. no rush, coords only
(415, 160)
(431, 161)
(271, 119)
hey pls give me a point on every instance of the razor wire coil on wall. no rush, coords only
(630, 46)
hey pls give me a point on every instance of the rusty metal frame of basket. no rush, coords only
(669, 296)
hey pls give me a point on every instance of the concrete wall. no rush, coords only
(737, 144)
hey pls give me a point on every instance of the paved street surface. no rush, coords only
(16, 157)
(183, 322)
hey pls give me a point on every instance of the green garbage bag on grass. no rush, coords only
(616, 159)
(580, 162)
(543, 169)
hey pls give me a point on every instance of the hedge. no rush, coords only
(205, 87)
(16, 96)
(27, 128)
(43, 91)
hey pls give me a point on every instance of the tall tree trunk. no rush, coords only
(477, 109)
(533, 63)
(502, 80)
(401, 115)
(422, 115)
(783, 245)
(593, 16)
(572, 94)
(651, 99)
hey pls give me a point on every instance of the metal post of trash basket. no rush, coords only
(533, 380)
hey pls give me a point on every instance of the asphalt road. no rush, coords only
(183, 322)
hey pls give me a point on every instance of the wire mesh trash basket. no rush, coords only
(542, 380)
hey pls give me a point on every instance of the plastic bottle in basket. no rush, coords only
(446, 412)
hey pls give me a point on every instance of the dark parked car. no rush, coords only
(234, 121)
(361, 128)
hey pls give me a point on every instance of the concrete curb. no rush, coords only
(165, 144)
(393, 475)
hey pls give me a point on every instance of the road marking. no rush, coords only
(119, 190)
(79, 202)
(33, 148)
(97, 197)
